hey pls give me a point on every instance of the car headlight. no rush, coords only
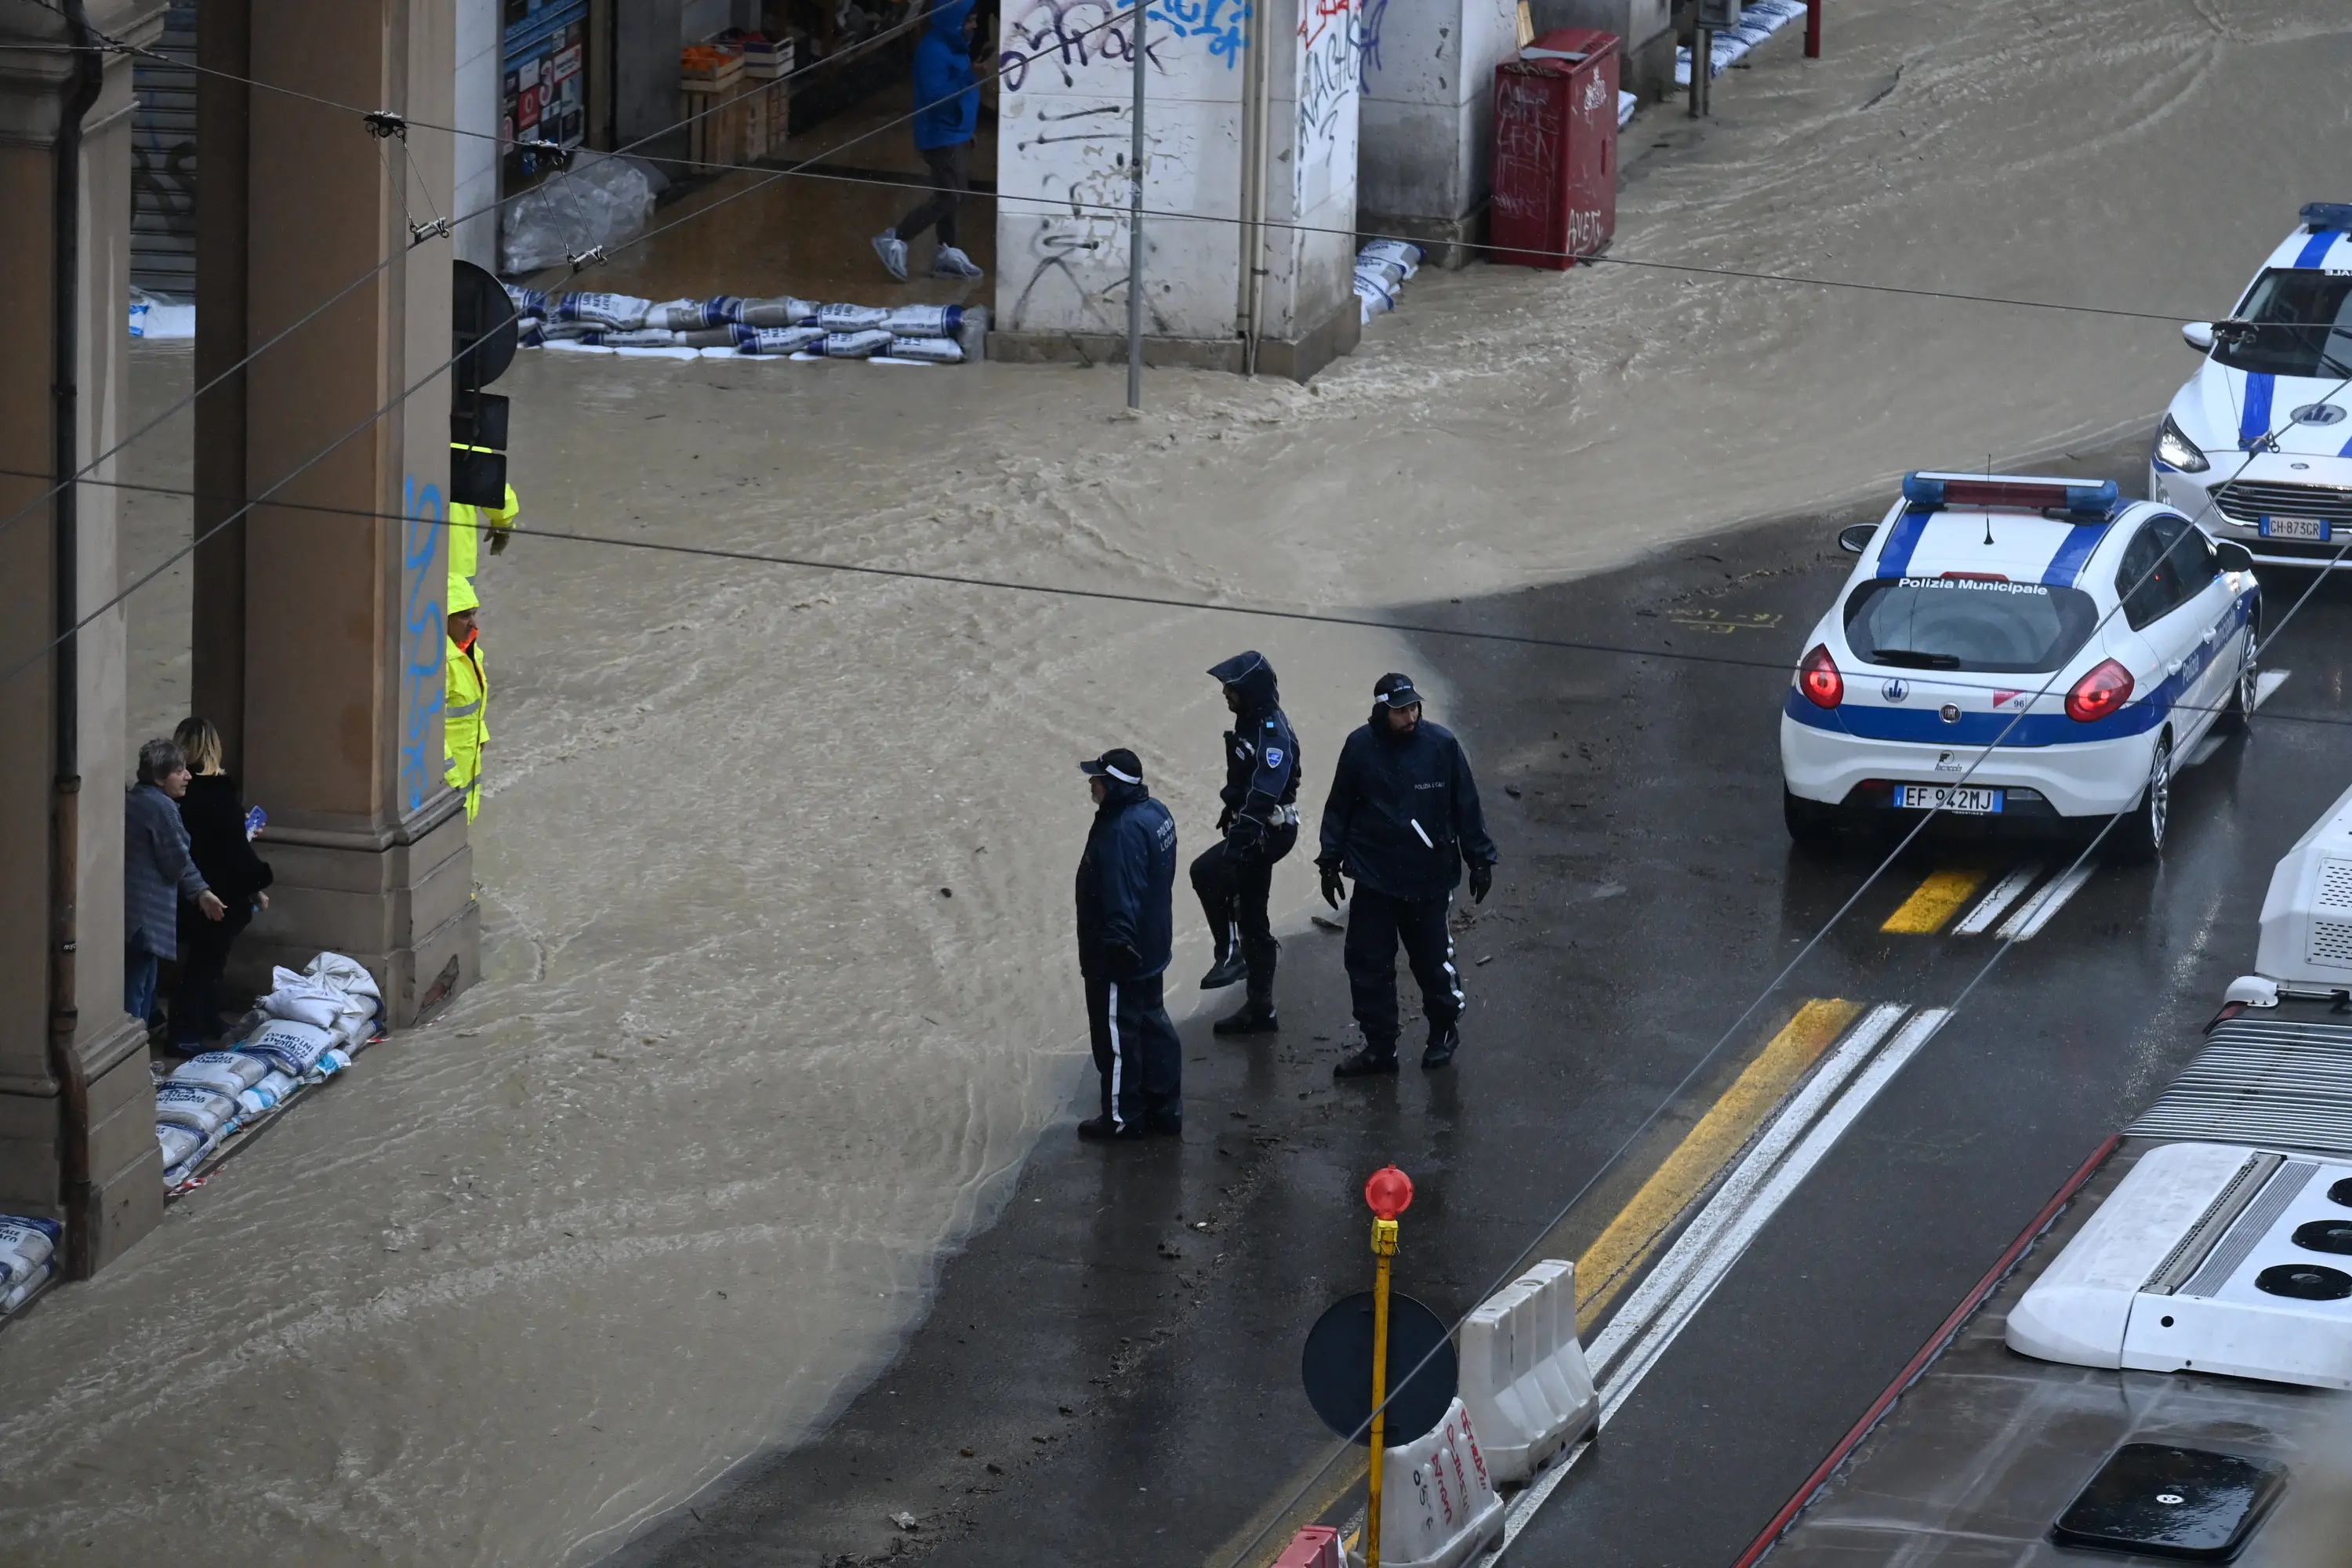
(2175, 449)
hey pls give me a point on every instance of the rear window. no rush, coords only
(1962, 623)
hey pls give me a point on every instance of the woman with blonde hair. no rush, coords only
(213, 810)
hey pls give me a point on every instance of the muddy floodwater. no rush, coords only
(774, 862)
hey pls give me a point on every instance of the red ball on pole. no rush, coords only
(1389, 1191)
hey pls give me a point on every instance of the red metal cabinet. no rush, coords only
(1555, 179)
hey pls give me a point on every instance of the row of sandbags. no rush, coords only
(1758, 20)
(302, 1033)
(1382, 269)
(780, 327)
(28, 1257)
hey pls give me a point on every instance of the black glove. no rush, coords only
(1482, 878)
(1123, 958)
(499, 539)
(1225, 819)
(1333, 889)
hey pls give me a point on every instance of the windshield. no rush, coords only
(1963, 623)
(2302, 325)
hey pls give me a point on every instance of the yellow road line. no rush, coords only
(1615, 1256)
(1936, 900)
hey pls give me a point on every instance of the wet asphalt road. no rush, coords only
(1110, 1372)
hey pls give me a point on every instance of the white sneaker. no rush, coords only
(893, 252)
(953, 263)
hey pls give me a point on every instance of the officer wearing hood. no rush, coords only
(1403, 818)
(1127, 883)
(1260, 824)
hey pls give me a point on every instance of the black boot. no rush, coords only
(1442, 1044)
(1230, 966)
(1103, 1130)
(1377, 1057)
(1256, 1014)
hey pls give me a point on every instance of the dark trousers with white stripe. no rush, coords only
(1375, 924)
(1136, 1050)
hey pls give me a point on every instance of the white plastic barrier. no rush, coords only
(1524, 1379)
(1438, 1504)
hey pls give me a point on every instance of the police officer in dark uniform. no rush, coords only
(1403, 818)
(1127, 885)
(1260, 824)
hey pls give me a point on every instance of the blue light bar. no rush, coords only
(2318, 216)
(1930, 491)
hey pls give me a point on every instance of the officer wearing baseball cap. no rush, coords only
(1401, 819)
(1127, 882)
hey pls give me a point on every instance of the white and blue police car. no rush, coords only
(2018, 650)
(2258, 446)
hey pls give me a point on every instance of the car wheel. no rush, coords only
(2139, 837)
(1814, 824)
(2241, 714)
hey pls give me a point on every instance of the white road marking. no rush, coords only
(1655, 1314)
(2268, 681)
(1978, 920)
(2035, 912)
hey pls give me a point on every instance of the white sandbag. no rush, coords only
(182, 1146)
(193, 1106)
(19, 1294)
(273, 1090)
(779, 311)
(777, 340)
(923, 320)
(26, 1244)
(638, 338)
(927, 351)
(333, 1061)
(294, 1048)
(856, 345)
(526, 301)
(290, 992)
(1401, 254)
(618, 311)
(850, 318)
(227, 1072)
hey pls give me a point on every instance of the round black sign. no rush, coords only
(1338, 1369)
(482, 321)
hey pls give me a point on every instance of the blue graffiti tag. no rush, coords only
(422, 683)
(1367, 41)
(1042, 32)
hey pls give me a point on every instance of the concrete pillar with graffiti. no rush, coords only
(1062, 177)
(1428, 72)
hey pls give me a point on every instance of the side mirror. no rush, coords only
(1855, 538)
(2232, 555)
(2198, 335)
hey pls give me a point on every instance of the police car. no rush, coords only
(2258, 446)
(2019, 649)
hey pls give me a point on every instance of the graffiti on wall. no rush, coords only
(1076, 260)
(423, 636)
(1330, 77)
(1066, 36)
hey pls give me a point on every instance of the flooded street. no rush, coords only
(775, 862)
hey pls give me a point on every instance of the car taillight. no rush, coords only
(2108, 687)
(1818, 679)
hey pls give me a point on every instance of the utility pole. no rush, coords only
(1135, 223)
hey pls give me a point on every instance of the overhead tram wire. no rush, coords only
(365, 116)
(1682, 1087)
(1106, 596)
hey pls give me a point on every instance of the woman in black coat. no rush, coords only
(213, 813)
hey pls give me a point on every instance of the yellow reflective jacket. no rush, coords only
(465, 719)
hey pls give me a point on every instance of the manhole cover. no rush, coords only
(2305, 1281)
(2163, 1501)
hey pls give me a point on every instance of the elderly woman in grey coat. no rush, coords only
(157, 873)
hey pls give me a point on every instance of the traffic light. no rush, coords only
(485, 333)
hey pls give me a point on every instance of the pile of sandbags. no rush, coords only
(1382, 269)
(1758, 20)
(302, 1033)
(780, 326)
(28, 1257)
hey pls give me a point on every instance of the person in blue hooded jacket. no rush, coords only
(1234, 876)
(947, 116)
(1127, 884)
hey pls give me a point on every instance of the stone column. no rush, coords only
(1063, 135)
(341, 622)
(77, 1113)
(1429, 120)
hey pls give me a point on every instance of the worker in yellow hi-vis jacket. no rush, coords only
(466, 696)
(467, 525)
